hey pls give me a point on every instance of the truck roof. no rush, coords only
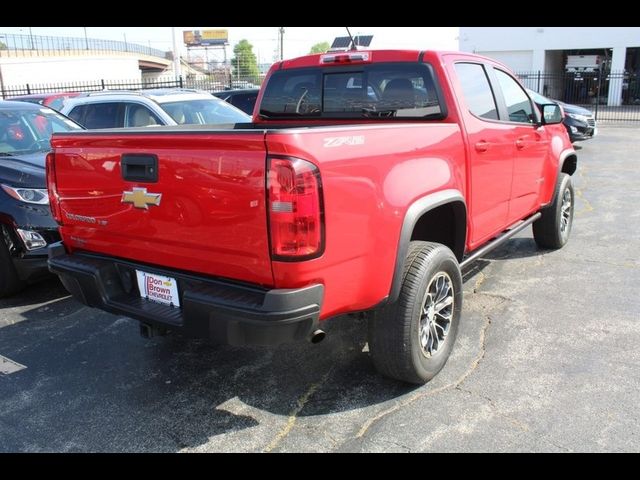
(374, 56)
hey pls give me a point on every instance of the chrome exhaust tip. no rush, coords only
(317, 336)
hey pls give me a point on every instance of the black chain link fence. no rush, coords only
(612, 97)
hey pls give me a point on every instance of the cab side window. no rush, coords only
(476, 90)
(518, 104)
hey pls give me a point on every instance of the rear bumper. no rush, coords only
(221, 311)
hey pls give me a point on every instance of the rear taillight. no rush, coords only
(296, 217)
(51, 187)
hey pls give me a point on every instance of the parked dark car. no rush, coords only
(25, 219)
(245, 100)
(579, 122)
(51, 100)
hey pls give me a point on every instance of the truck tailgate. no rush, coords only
(204, 213)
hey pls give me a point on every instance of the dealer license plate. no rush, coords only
(158, 288)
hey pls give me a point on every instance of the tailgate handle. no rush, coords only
(138, 167)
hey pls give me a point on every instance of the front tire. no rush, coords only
(553, 228)
(411, 339)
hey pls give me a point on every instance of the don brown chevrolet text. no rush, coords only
(365, 182)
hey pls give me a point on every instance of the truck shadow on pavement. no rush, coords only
(47, 290)
(93, 384)
(518, 247)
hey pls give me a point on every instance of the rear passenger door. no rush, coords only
(490, 152)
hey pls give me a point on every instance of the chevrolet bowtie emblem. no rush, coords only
(140, 198)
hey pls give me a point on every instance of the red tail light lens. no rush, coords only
(51, 187)
(296, 217)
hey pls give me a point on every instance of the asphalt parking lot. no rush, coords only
(547, 359)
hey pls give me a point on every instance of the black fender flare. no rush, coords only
(568, 155)
(414, 212)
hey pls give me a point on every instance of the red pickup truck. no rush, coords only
(365, 182)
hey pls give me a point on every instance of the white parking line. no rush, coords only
(8, 366)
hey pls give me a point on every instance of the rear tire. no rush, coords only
(553, 228)
(411, 339)
(9, 281)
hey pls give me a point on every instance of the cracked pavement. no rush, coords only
(547, 359)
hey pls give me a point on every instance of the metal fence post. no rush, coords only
(2, 85)
(595, 114)
(28, 90)
(102, 83)
(180, 80)
(538, 89)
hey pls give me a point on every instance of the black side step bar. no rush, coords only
(500, 240)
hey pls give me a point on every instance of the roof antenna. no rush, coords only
(354, 47)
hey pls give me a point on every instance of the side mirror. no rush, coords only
(551, 114)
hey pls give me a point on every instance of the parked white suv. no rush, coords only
(170, 106)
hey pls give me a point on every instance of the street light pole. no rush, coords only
(86, 40)
(177, 67)
(31, 38)
(227, 66)
(281, 43)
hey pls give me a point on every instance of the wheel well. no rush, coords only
(570, 165)
(445, 224)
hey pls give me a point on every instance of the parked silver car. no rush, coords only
(116, 109)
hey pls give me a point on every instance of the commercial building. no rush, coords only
(566, 59)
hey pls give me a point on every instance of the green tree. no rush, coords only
(321, 47)
(3, 46)
(244, 61)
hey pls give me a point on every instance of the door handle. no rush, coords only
(521, 143)
(138, 167)
(482, 146)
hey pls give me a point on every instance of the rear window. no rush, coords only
(385, 90)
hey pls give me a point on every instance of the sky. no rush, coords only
(297, 40)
